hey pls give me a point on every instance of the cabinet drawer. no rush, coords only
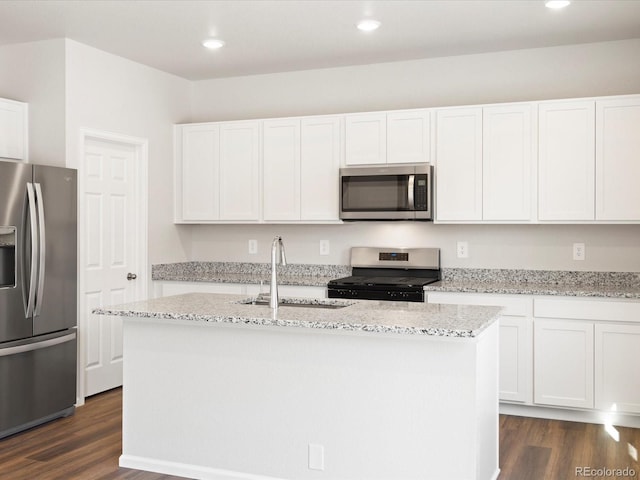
(514, 305)
(585, 309)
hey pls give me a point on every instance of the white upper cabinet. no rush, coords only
(366, 139)
(199, 172)
(484, 167)
(319, 169)
(459, 164)
(13, 130)
(217, 172)
(583, 168)
(387, 138)
(408, 135)
(281, 169)
(240, 171)
(301, 161)
(506, 163)
(566, 161)
(618, 159)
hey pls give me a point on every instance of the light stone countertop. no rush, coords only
(472, 280)
(539, 282)
(308, 275)
(602, 291)
(408, 318)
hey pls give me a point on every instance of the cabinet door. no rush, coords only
(199, 167)
(408, 135)
(366, 139)
(239, 171)
(516, 339)
(617, 356)
(506, 163)
(319, 169)
(617, 160)
(515, 359)
(566, 161)
(459, 164)
(281, 169)
(13, 129)
(563, 363)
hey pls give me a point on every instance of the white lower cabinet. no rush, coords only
(617, 355)
(515, 359)
(586, 353)
(563, 363)
(568, 352)
(515, 368)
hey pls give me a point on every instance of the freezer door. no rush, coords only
(37, 380)
(15, 254)
(55, 307)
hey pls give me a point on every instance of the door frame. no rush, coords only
(141, 149)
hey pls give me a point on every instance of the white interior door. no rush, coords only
(110, 254)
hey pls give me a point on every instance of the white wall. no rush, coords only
(34, 73)
(539, 247)
(609, 68)
(109, 93)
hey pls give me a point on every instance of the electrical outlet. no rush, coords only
(578, 251)
(324, 247)
(463, 249)
(253, 247)
(316, 457)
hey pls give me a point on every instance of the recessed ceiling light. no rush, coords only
(556, 4)
(213, 43)
(368, 25)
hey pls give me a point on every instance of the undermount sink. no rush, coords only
(299, 302)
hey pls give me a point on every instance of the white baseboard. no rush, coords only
(186, 470)
(557, 413)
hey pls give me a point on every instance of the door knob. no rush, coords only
(131, 276)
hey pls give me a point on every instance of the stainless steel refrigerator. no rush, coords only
(38, 283)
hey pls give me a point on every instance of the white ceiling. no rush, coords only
(267, 36)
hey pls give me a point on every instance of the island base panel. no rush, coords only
(237, 402)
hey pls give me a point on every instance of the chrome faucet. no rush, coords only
(277, 247)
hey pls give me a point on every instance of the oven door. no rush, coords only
(385, 193)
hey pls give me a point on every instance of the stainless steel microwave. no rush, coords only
(403, 192)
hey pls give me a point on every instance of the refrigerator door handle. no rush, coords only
(42, 249)
(37, 345)
(31, 197)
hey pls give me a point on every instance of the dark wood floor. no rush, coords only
(535, 449)
(86, 446)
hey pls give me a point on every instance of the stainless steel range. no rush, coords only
(397, 274)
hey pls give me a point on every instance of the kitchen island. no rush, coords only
(218, 389)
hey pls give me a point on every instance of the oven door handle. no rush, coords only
(410, 192)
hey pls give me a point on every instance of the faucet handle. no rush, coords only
(283, 257)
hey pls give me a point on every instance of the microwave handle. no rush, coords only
(410, 192)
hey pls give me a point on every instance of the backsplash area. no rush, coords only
(608, 248)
